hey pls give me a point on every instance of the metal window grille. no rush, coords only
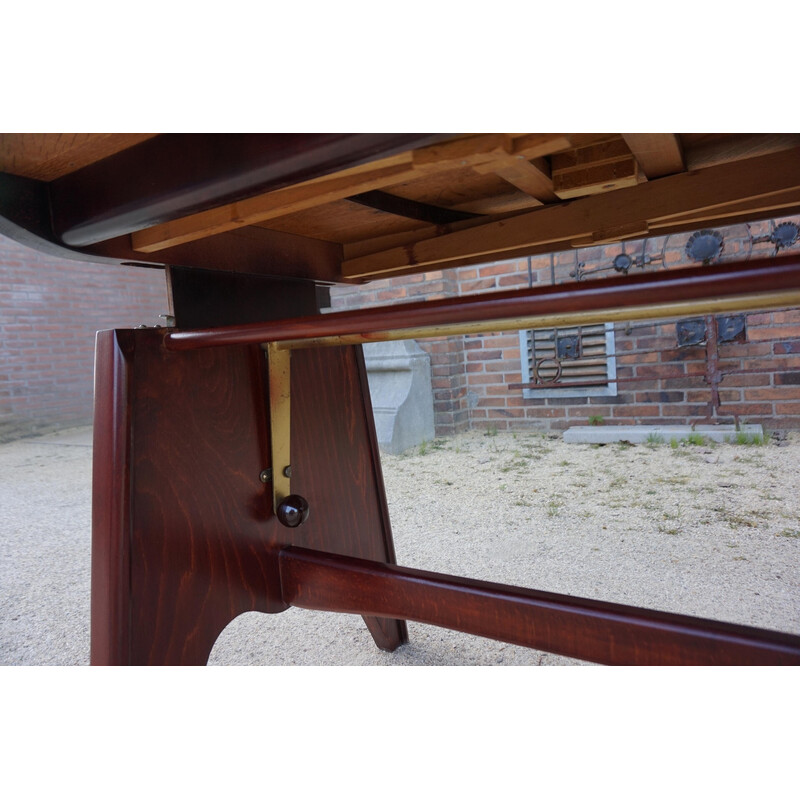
(556, 359)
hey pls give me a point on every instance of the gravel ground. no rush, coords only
(712, 531)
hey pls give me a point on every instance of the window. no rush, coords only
(569, 362)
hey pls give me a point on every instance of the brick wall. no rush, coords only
(50, 310)
(658, 381)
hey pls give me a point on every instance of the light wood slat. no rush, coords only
(658, 154)
(279, 203)
(771, 202)
(449, 156)
(479, 149)
(466, 151)
(532, 178)
(648, 203)
(499, 204)
(538, 145)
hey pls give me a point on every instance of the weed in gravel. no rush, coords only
(674, 480)
(554, 506)
(673, 443)
(596, 419)
(654, 439)
(617, 482)
(790, 533)
(518, 462)
(669, 531)
(734, 520)
(696, 439)
(756, 458)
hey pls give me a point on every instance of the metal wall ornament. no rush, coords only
(622, 263)
(781, 236)
(708, 246)
(705, 247)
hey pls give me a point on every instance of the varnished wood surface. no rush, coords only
(202, 532)
(110, 603)
(185, 538)
(591, 630)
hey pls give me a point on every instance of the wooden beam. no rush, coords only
(654, 202)
(592, 630)
(770, 203)
(434, 159)
(594, 168)
(658, 154)
(270, 206)
(533, 178)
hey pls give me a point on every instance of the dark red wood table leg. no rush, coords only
(184, 535)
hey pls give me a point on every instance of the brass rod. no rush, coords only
(750, 302)
(744, 286)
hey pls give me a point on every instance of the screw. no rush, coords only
(287, 472)
(266, 475)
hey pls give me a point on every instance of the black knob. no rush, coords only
(293, 510)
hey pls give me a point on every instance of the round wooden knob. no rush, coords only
(293, 511)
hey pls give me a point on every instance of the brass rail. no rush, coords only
(744, 286)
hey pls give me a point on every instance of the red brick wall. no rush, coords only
(50, 310)
(472, 374)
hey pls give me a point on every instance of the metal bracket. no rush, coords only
(280, 393)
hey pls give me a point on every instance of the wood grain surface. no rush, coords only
(197, 543)
(593, 630)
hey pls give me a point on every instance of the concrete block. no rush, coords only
(399, 375)
(639, 434)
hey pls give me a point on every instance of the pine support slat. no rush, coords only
(650, 205)
(401, 168)
(658, 154)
